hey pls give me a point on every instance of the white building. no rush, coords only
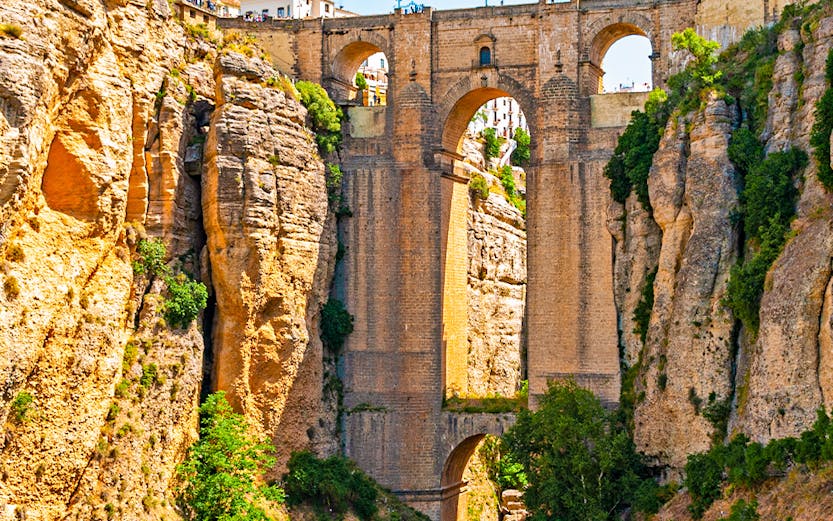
(375, 71)
(266, 9)
(502, 114)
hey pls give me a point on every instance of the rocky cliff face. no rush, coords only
(695, 353)
(497, 296)
(104, 109)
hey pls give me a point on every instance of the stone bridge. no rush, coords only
(404, 275)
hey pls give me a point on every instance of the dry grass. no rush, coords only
(11, 31)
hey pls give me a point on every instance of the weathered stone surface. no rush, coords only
(496, 295)
(688, 354)
(271, 245)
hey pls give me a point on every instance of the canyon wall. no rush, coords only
(695, 353)
(106, 112)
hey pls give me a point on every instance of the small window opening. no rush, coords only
(485, 56)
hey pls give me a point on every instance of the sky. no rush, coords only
(626, 61)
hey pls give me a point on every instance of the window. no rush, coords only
(326, 8)
(485, 56)
(382, 62)
(280, 11)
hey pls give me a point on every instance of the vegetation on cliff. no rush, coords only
(324, 115)
(222, 474)
(579, 460)
(746, 464)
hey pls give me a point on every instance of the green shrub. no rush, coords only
(770, 190)
(503, 471)
(334, 177)
(703, 479)
(198, 31)
(336, 324)
(491, 143)
(507, 179)
(521, 154)
(631, 162)
(717, 413)
(186, 299)
(704, 52)
(122, 388)
(642, 311)
(361, 81)
(746, 281)
(745, 151)
(325, 117)
(822, 128)
(743, 511)
(151, 259)
(21, 406)
(11, 30)
(479, 186)
(149, 375)
(131, 351)
(333, 485)
(221, 475)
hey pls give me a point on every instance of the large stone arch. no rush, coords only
(461, 101)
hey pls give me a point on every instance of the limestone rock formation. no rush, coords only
(271, 241)
(105, 109)
(695, 354)
(497, 296)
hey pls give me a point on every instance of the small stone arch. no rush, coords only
(451, 482)
(346, 61)
(605, 31)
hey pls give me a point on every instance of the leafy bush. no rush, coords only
(505, 472)
(198, 31)
(491, 143)
(822, 128)
(743, 511)
(149, 375)
(222, 471)
(186, 299)
(334, 485)
(579, 463)
(324, 116)
(21, 405)
(336, 324)
(703, 478)
(361, 81)
(767, 206)
(631, 162)
(151, 259)
(770, 190)
(704, 52)
(479, 186)
(521, 154)
(334, 178)
(642, 311)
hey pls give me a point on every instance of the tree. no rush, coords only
(492, 143)
(222, 473)
(581, 465)
(521, 154)
(704, 53)
(361, 81)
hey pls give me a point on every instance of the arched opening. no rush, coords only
(627, 65)
(469, 490)
(487, 142)
(622, 55)
(360, 72)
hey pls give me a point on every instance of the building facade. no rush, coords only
(259, 10)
